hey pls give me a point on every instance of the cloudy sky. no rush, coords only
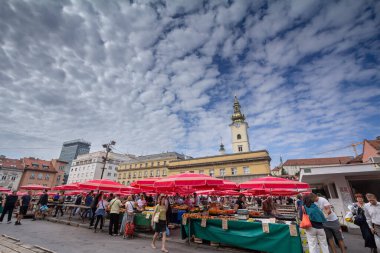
(161, 75)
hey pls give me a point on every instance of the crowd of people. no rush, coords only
(325, 229)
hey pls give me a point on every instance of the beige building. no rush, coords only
(155, 165)
(238, 167)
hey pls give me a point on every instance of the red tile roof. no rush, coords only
(28, 163)
(318, 161)
(10, 163)
(375, 144)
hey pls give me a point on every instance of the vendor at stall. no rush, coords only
(141, 203)
(269, 207)
(240, 203)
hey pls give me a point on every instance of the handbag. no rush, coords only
(109, 206)
(156, 217)
(305, 223)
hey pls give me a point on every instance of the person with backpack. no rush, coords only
(316, 233)
(42, 205)
(100, 211)
(59, 204)
(78, 202)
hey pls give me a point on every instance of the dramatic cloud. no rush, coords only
(161, 75)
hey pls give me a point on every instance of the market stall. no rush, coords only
(254, 235)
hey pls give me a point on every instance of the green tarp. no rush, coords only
(247, 235)
(141, 222)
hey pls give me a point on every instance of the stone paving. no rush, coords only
(63, 236)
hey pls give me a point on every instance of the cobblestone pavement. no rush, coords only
(62, 238)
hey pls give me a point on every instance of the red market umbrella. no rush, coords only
(72, 193)
(130, 190)
(188, 180)
(67, 187)
(101, 185)
(228, 185)
(145, 182)
(3, 189)
(34, 187)
(273, 182)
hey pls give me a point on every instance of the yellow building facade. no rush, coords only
(155, 165)
(237, 167)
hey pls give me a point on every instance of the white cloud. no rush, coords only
(162, 76)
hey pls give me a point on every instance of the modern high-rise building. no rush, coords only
(71, 150)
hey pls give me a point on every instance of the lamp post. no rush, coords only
(108, 148)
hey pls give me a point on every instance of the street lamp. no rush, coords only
(108, 148)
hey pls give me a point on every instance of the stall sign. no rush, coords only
(184, 221)
(203, 222)
(265, 227)
(224, 224)
(293, 230)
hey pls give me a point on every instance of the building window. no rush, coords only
(164, 162)
(110, 167)
(240, 148)
(233, 171)
(222, 172)
(114, 174)
(151, 173)
(13, 178)
(5, 177)
(201, 172)
(136, 165)
(157, 173)
(151, 164)
(246, 170)
(145, 173)
(212, 172)
(140, 165)
(129, 174)
(47, 177)
(130, 166)
(140, 173)
(238, 137)
(39, 176)
(164, 172)
(124, 175)
(134, 174)
(158, 163)
(58, 178)
(109, 174)
(146, 165)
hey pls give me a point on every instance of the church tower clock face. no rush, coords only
(239, 130)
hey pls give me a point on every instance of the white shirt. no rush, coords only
(322, 203)
(129, 206)
(372, 213)
(141, 203)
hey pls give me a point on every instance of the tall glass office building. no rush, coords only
(71, 150)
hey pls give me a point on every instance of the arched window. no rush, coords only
(238, 136)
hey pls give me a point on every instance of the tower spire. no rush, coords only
(237, 116)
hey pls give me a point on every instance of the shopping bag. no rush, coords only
(305, 223)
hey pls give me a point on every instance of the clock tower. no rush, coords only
(239, 130)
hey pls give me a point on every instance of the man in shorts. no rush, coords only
(332, 226)
(24, 205)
